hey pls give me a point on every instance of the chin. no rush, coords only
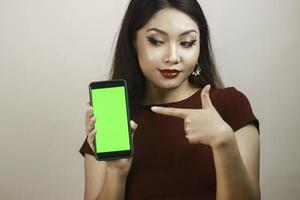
(169, 84)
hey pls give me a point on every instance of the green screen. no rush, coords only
(109, 105)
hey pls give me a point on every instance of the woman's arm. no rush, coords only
(95, 175)
(114, 186)
(105, 179)
(237, 165)
(236, 155)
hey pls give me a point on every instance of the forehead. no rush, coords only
(171, 20)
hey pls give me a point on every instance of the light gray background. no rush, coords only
(51, 50)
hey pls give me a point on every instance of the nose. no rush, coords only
(172, 56)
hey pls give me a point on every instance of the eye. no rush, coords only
(155, 41)
(188, 44)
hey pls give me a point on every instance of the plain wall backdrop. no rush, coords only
(51, 50)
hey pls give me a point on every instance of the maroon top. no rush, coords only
(165, 165)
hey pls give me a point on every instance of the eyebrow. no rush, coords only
(164, 33)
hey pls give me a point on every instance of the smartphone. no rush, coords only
(109, 100)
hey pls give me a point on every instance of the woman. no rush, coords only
(193, 138)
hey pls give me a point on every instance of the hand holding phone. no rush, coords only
(120, 164)
(109, 125)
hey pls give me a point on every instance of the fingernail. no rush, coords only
(154, 108)
(132, 122)
(209, 86)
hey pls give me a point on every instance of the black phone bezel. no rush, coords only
(114, 154)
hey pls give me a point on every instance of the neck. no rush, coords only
(155, 95)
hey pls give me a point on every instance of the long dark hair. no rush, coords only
(125, 63)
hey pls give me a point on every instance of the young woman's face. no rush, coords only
(168, 48)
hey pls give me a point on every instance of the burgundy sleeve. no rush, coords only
(85, 148)
(238, 111)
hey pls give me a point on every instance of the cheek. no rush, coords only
(190, 57)
(148, 56)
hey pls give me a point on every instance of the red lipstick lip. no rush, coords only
(169, 73)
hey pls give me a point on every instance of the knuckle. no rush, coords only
(91, 134)
(92, 125)
(188, 119)
(87, 128)
(92, 122)
(187, 130)
(90, 129)
(187, 123)
(90, 137)
(87, 113)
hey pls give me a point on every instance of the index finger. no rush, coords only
(174, 112)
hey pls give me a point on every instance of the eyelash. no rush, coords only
(185, 44)
(154, 41)
(188, 44)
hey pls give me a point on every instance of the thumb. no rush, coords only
(205, 99)
(133, 126)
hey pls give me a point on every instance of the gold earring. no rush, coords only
(197, 70)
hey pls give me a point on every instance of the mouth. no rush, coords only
(169, 73)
